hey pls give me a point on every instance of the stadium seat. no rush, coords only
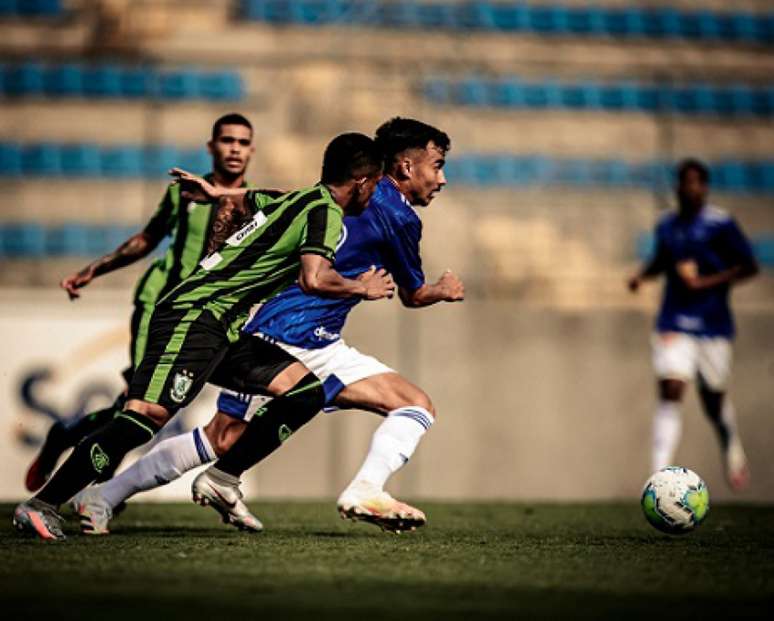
(10, 160)
(122, 162)
(22, 240)
(24, 80)
(63, 80)
(102, 81)
(177, 85)
(137, 82)
(80, 160)
(221, 86)
(41, 160)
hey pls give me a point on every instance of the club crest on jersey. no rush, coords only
(181, 384)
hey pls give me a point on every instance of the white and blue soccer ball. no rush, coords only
(675, 500)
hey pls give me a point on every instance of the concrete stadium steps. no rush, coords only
(55, 201)
(114, 123)
(438, 51)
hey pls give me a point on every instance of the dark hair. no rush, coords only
(349, 156)
(398, 135)
(229, 119)
(693, 164)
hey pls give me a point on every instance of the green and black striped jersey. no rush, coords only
(262, 258)
(189, 224)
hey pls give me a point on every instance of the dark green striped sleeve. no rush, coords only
(163, 221)
(258, 199)
(322, 231)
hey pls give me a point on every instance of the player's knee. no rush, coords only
(417, 398)
(157, 413)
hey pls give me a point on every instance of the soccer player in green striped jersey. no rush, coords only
(188, 224)
(194, 325)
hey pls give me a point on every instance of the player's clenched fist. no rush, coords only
(378, 284)
(451, 286)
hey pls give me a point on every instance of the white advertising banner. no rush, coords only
(62, 360)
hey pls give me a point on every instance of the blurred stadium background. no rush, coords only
(566, 118)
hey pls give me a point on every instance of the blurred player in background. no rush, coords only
(189, 224)
(193, 327)
(702, 252)
(309, 328)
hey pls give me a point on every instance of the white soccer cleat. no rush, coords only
(221, 492)
(737, 468)
(93, 511)
(38, 518)
(364, 502)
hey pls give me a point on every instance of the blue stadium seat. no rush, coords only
(472, 92)
(102, 81)
(122, 162)
(137, 82)
(506, 94)
(221, 86)
(63, 80)
(196, 160)
(436, 16)
(510, 18)
(31, 8)
(583, 96)
(24, 80)
(177, 85)
(764, 250)
(10, 159)
(436, 91)
(475, 16)
(80, 160)
(41, 160)
(22, 240)
(156, 161)
(547, 19)
(66, 240)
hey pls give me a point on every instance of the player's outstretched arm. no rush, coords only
(319, 278)
(449, 288)
(133, 249)
(196, 188)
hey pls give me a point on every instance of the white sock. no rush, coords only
(393, 444)
(667, 426)
(167, 461)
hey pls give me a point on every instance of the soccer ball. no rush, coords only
(675, 500)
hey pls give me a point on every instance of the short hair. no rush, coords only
(232, 118)
(398, 135)
(692, 163)
(349, 156)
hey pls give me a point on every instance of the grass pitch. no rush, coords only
(473, 561)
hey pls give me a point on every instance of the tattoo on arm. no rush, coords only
(133, 249)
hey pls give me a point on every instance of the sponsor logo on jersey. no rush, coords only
(181, 384)
(321, 333)
(257, 222)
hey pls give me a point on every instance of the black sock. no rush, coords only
(265, 433)
(94, 454)
(62, 436)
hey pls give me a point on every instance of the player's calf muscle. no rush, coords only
(222, 431)
(157, 413)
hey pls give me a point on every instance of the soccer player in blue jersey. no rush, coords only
(702, 253)
(387, 235)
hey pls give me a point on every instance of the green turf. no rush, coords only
(471, 562)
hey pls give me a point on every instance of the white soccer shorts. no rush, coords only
(681, 356)
(336, 365)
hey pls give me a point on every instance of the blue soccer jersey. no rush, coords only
(715, 242)
(386, 235)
